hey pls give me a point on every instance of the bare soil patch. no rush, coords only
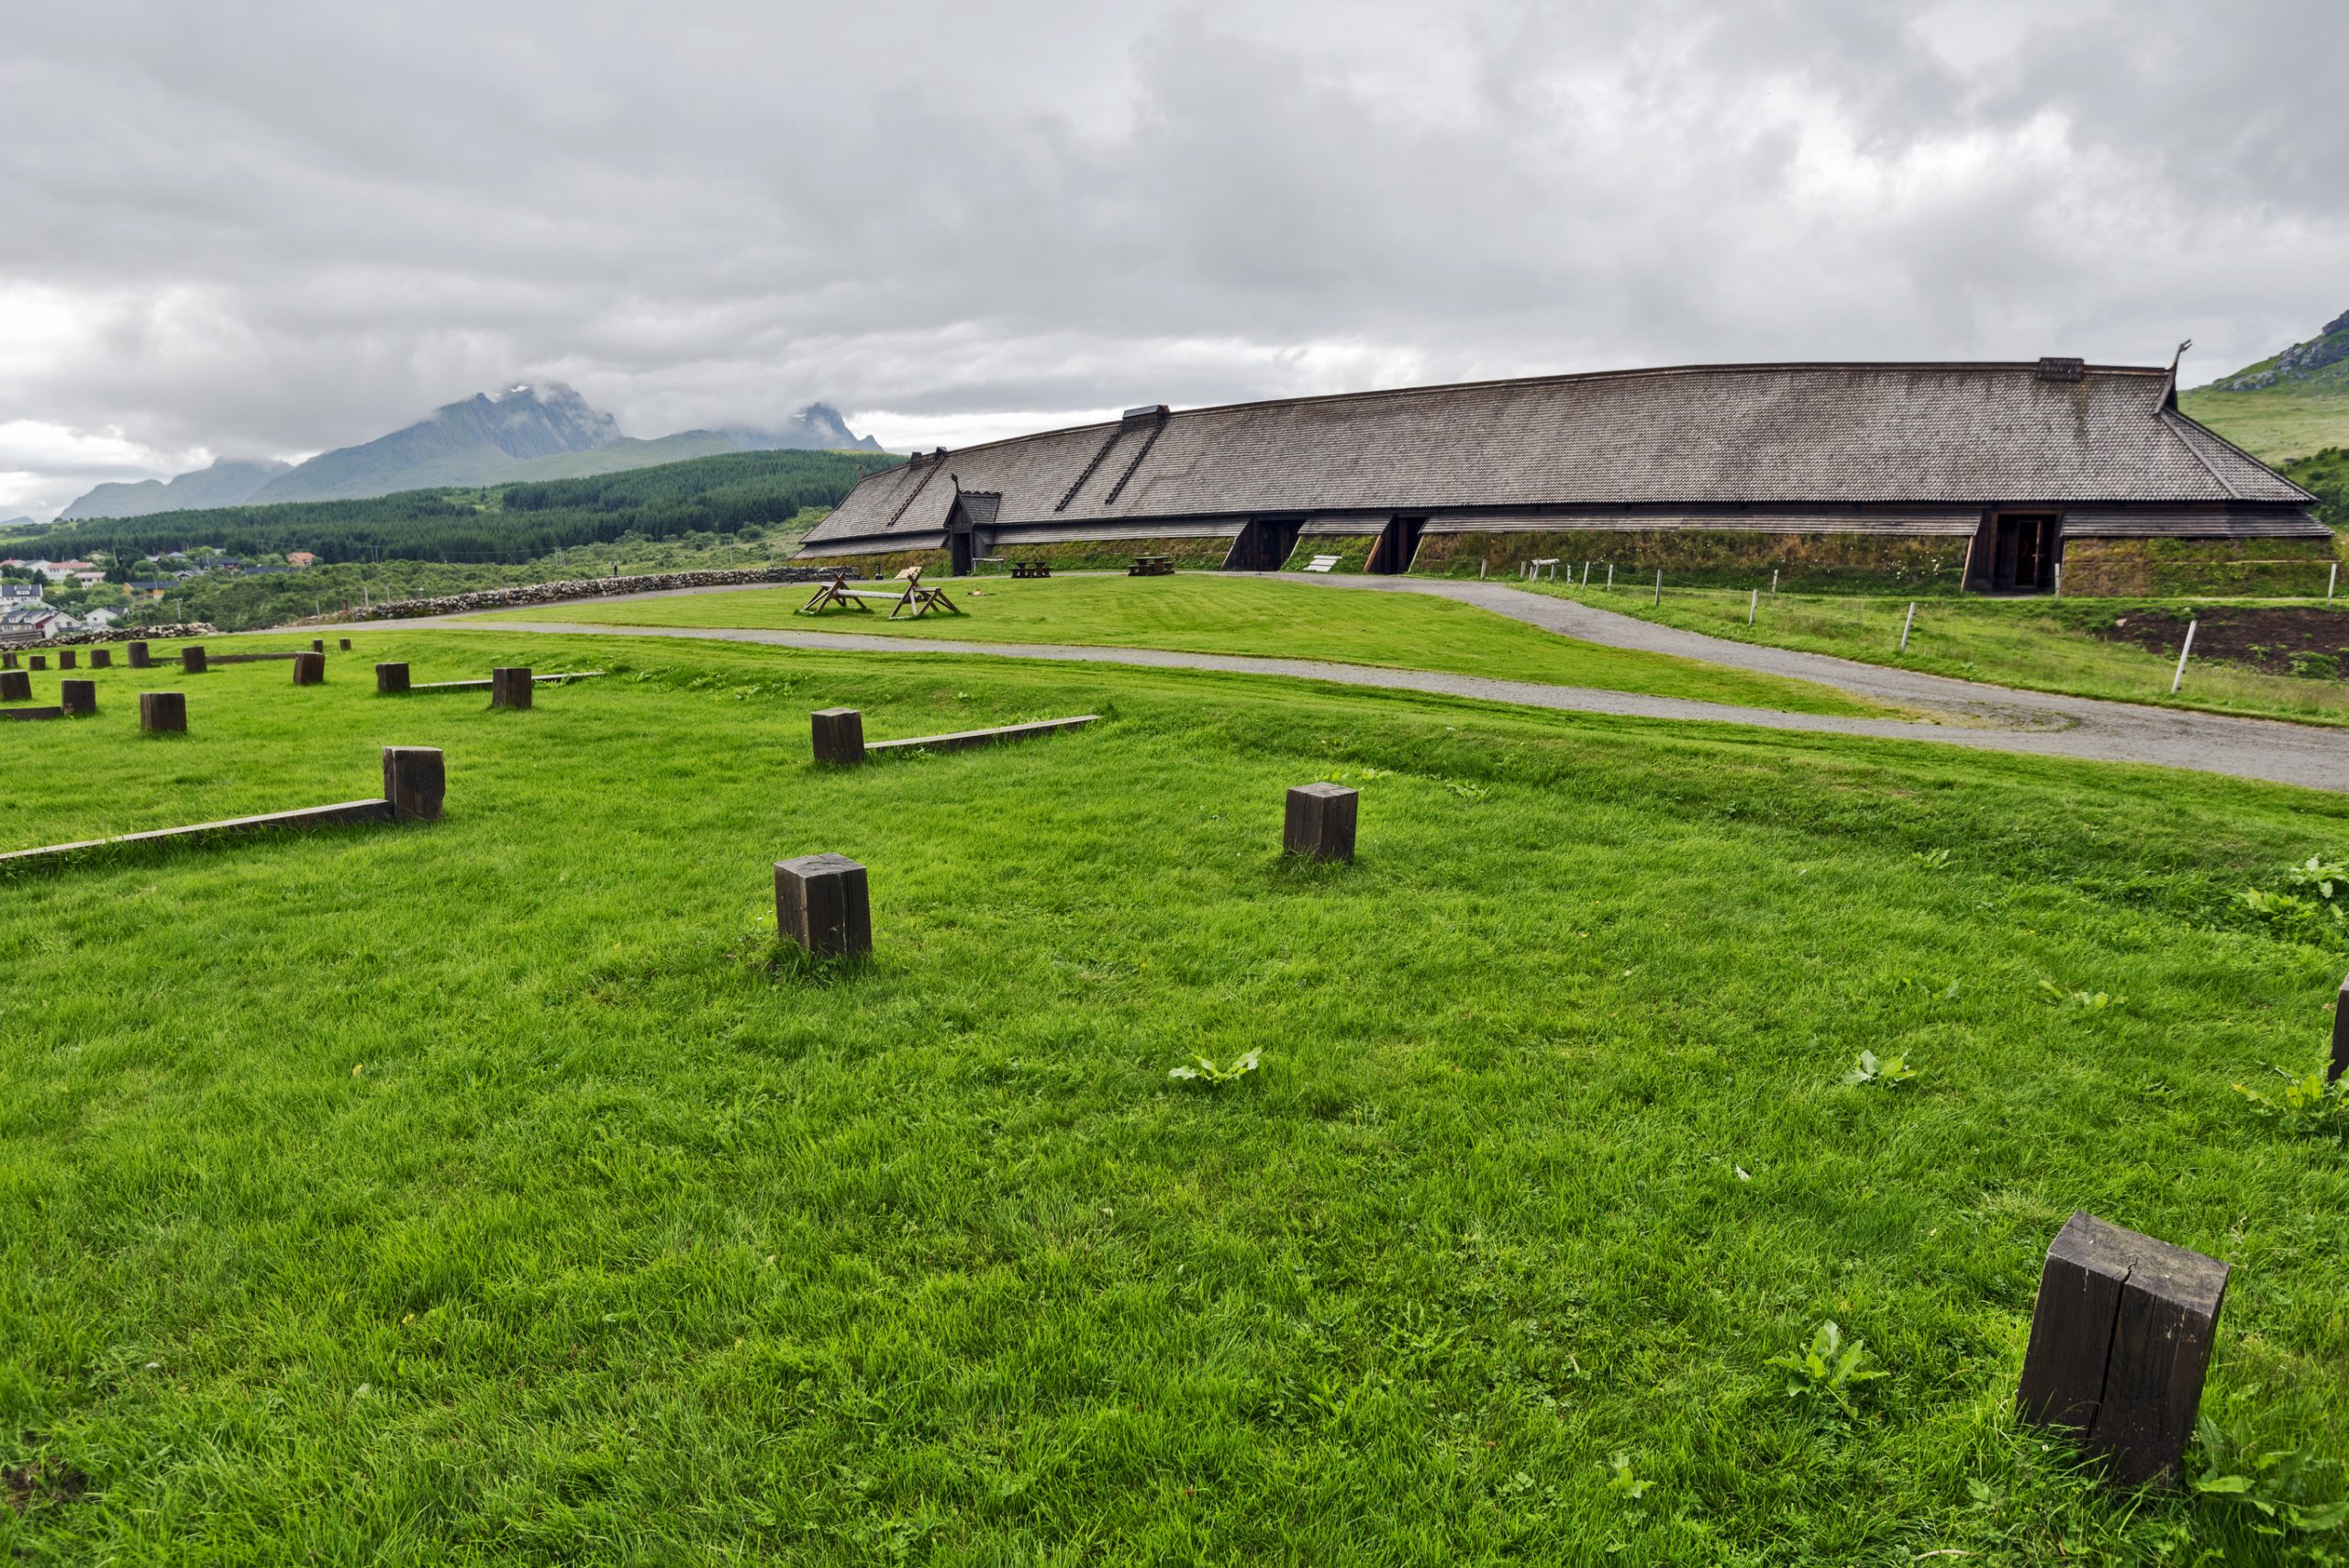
(2285, 641)
(39, 1481)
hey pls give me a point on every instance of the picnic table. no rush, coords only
(1152, 566)
(1031, 569)
(921, 600)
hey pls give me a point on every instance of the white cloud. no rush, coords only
(254, 236)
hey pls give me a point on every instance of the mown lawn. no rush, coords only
(2040, 645)
(495, 1192)
(1207, 613)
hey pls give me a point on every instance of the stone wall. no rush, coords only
(168, 631)
(556, 593)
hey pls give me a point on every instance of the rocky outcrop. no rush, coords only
(2299, 362)
(577, 588)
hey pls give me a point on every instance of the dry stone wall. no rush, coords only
(577, 588)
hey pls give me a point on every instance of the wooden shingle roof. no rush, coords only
(1697, 435)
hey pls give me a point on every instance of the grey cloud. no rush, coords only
(280, 228)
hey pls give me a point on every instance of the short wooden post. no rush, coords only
(140, 658)
(309, 669)
(509, 687)
(38, 661)
(15, 685)
(391, 680)
(192, 661)
(162, 713)
(2340, 1034)
(1907, 624)
(1752, 603)
(823, 902)
(7, 659)
(343, 643)
(416, 779)
(839, 735)
(2120, 1341)
(1659, 585)
(2183, 650)
(78, 698)
(317, 645)
(65, 658)
(1319, 822)
(101, 658)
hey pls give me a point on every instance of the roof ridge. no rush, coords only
(1568, 377)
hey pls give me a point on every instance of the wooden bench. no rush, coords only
(916, 597)
(1534, 570)
(1031, 569)
(1152, 566)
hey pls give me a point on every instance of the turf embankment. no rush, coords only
(2040, 645)
(1209, 613)
(495, 1192)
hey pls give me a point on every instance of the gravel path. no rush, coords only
(1983, 717)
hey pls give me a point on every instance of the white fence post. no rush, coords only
(1907, 624)
(1659, 586)
(2184, 649)
(1753, 603)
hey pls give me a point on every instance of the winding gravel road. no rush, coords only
(1986, 717)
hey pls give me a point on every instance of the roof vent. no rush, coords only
(1147, 411)
(2063, 370)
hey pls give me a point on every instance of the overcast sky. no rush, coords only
(242, 229)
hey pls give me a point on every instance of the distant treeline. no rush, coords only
(734, 492)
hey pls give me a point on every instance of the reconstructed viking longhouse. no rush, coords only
(1914, 477)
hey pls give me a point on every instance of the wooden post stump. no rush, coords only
(162, 713)
(309, 669)
(2340, 1034)
(192, 661)
(391, 680)
(7, 659)
(37, 662)
(2120, 1341)
(1320, 822)
(822, 903)
(15, 685)
(509, 688)
(839, 735)
(317, 645)
(65, 658)
(101, 658)
(415, 780)
(343, 643)
(140, 658)
(78, 698)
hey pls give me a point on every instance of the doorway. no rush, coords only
(1398, 543)
(1264, 544)
(958, 553)
(2023, 551)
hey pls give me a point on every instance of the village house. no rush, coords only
(1984, 476)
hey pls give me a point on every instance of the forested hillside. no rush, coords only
(512, 523)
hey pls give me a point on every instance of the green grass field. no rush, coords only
(1204, 612)
(2273, 424)
(2039, 645)
(495, 1191)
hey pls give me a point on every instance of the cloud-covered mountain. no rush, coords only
(471, 442)
(224, 483)
(547, 431)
